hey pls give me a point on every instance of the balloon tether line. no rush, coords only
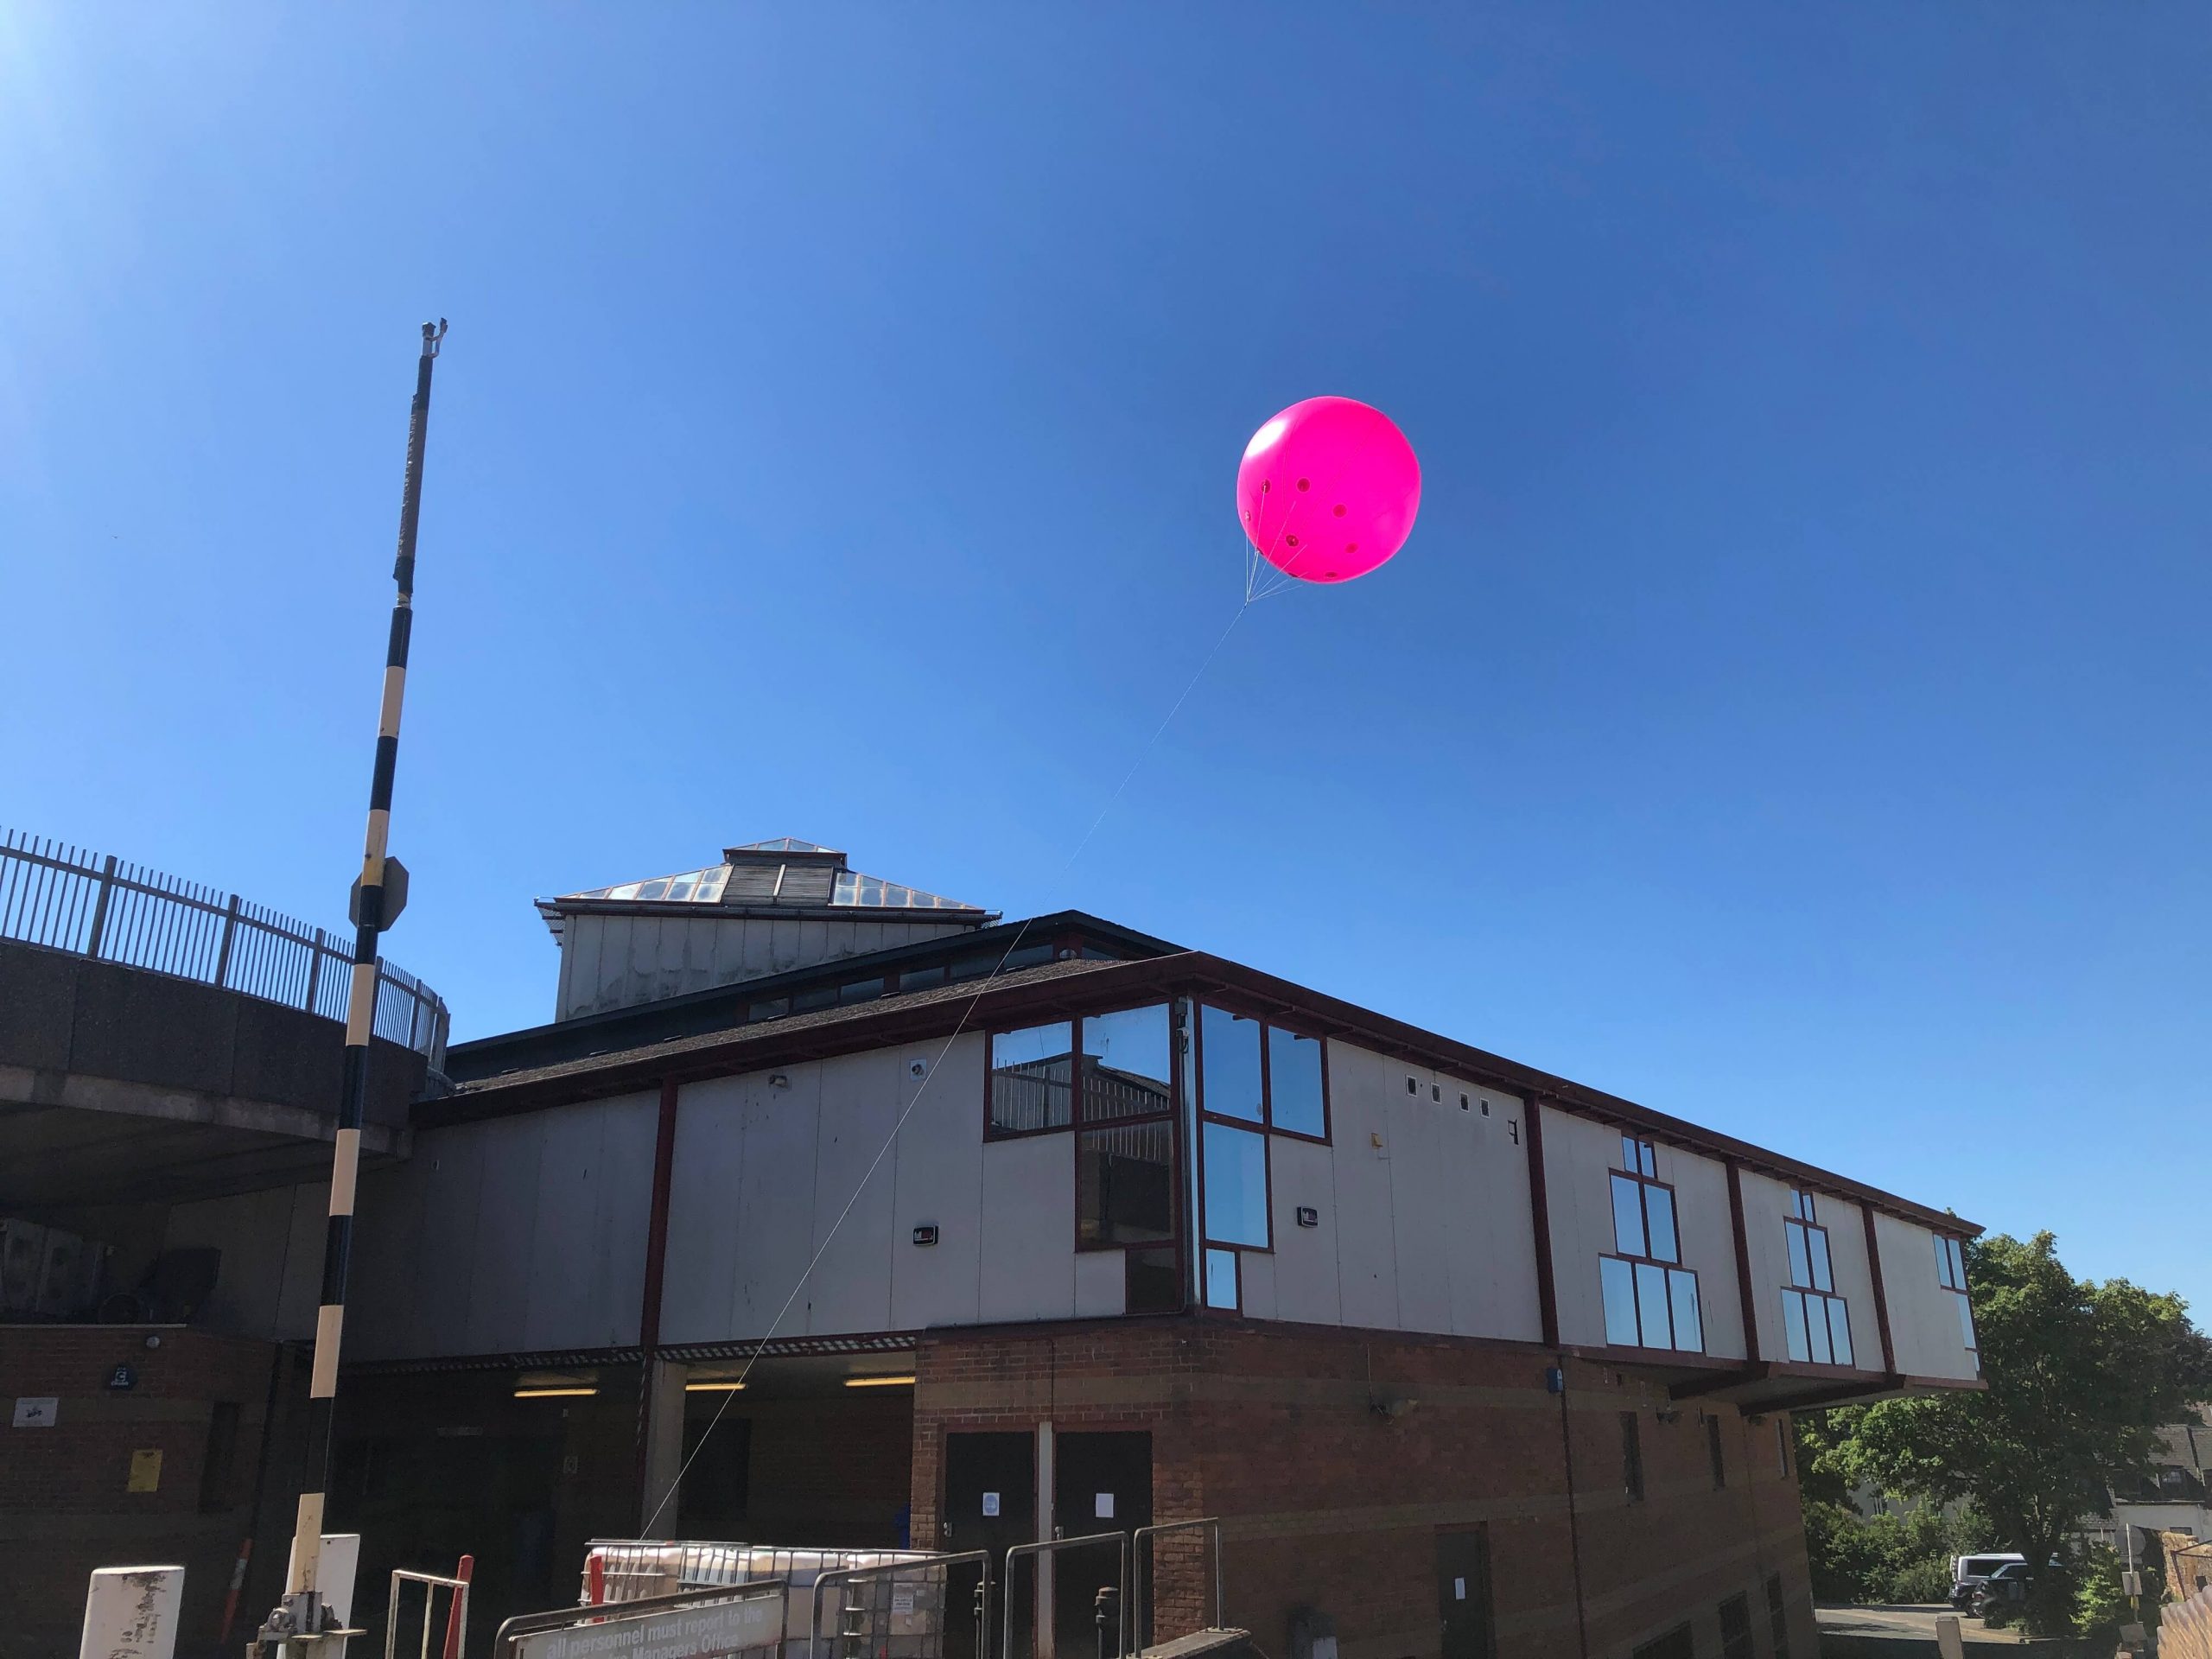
(930, 1076)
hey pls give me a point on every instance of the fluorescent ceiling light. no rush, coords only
(878, 1382)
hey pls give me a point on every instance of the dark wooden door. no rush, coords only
(1463, 1592)
(990, 1503)
(1101, 1483)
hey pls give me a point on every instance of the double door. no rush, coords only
(1102, 1483)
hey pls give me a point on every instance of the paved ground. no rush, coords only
(1908, 1624)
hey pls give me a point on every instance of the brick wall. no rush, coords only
(1330, 1504)
(65, 1504)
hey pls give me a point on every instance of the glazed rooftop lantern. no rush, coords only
(769, 906)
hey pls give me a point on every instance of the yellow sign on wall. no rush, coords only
(145, 1472)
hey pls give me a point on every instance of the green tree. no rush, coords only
(2080, 1376)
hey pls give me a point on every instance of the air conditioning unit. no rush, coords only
(22, 1266)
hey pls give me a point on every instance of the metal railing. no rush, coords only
(457, 1630)
(1142, 1611)
(605, 1632)
(1052, 1548)
(65, 899)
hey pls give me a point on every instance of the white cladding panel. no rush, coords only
(1361, 1223)
(1422, 1209)
(1707, 1226)
(763, 1170)
(1302, 1280)
(620, 961)
(1854, 1280)
(1578, 1159)
(1766, 1207)
(518, 1233)
(1924, 1330)
(1101, 1284)
(1028, 1262)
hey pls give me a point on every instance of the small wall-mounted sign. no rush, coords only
(37, 1411)
(1103, 1506)
(145, 1471)
(925, 1235)
(1308, 1216)
(990, 1503)
(122, 1377)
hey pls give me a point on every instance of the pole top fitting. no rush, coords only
(431, 336)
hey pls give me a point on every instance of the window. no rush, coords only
(1125, 1184)
(1295, 1103)
(1228, 1064)
(1777, 1614)
(1631, 1457)
(1951, 1273)
(1032, 1078)
(1715, 1450)
(1152, 1284)
(1815, 1323)
(1735, 1627)
(1221, 1279)
(1126, 1071)
(1235, 1186)
(217, 1470)
(1650, 1300)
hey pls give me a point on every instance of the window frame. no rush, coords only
(1951, 1263)
(1644, 1156)
(1201, 1241)
(1802, 1219)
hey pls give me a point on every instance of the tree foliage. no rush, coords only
(2080, 1376)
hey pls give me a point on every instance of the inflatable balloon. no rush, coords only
(1328, 489)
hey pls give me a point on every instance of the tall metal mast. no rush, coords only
(377, 897)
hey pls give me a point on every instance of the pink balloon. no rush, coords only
(1328, 489)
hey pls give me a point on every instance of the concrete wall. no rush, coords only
(617, 962)
(271, 1275)
(1924, 1330)
(518, 1233)
(1580, 1157)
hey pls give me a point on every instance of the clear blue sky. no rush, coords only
(1788, 712)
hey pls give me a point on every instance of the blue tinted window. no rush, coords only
(1221, 1279)
(1616, 1279)
(1651, 1305)
(1236, 1186)
(1659, 1214)
(1689, 1326)
(1230, 1058)
(1294, 1083)
(1031, 1076)
(1125, 1063)
(1628, 1217)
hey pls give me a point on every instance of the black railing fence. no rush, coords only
(65, 899)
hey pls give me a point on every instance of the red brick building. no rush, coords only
(829, 1212)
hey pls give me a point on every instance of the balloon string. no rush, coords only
(929, 1076)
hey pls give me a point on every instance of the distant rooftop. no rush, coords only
(784, 873)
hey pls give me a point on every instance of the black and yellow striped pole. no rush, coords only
(377, 897)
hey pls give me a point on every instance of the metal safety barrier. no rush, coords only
(65, 899)
(1054, 1547)
(1138, 1557)
(456, 1636)
(653, 1623)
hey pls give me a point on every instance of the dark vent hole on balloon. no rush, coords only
(1266, 484)
(1340, 509)
(1351, 547)
(1294, 540)
(1304, 484)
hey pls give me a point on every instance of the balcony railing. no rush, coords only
(65, 899)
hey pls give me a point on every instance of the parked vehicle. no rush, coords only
(2009, 1583)
(1970, 1572)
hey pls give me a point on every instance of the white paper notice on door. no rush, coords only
(990, 1503)
(1459, 1589)
(1104, 1507)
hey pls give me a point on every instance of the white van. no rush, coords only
(1969, 1572)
